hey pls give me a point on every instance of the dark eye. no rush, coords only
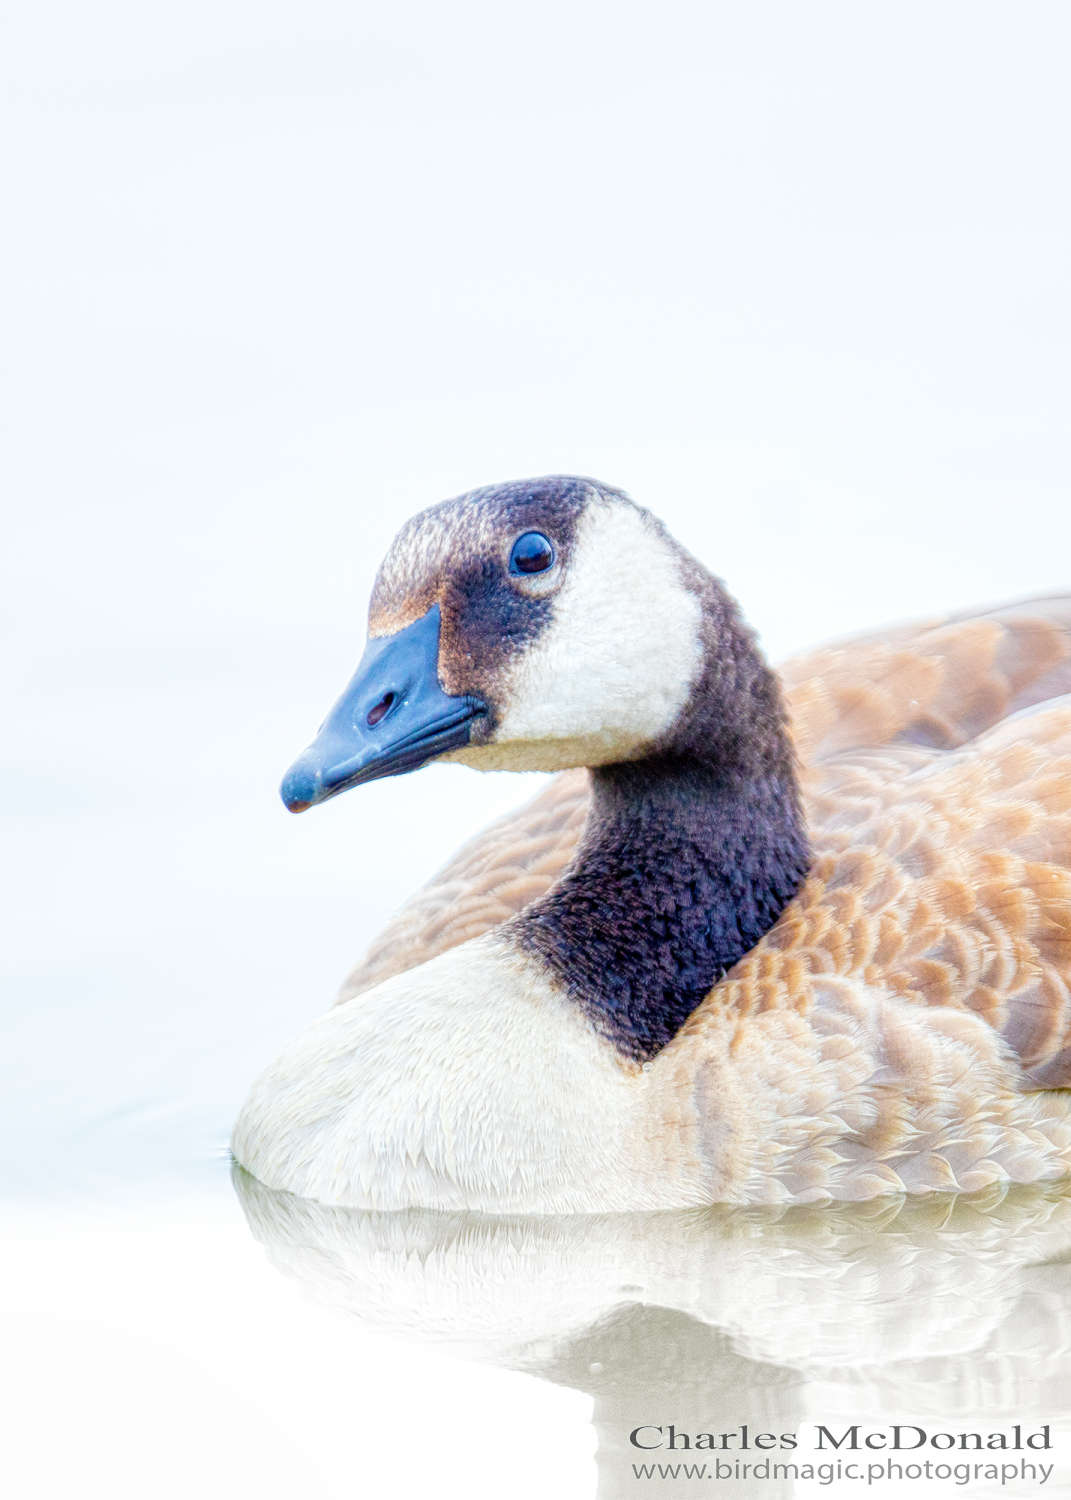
(532, 553)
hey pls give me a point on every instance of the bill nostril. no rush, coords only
(381, 709)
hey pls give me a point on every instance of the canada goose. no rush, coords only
(710, 998)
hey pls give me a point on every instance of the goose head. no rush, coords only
(534, 626)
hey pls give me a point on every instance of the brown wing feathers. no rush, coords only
(942, 834)
(935, 891)
(937, 684)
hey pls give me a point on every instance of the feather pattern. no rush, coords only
(936, 777)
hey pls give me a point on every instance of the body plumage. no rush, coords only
(788, 938)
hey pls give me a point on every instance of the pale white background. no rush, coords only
(795, 274)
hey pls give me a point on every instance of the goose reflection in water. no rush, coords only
(954, 1310)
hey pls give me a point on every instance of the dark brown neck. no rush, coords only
(687, 859)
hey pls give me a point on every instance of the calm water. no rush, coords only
(949, 1319)
(283, 1349)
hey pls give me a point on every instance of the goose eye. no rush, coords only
(532, 553)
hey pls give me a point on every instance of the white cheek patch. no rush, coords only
(617, 662)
